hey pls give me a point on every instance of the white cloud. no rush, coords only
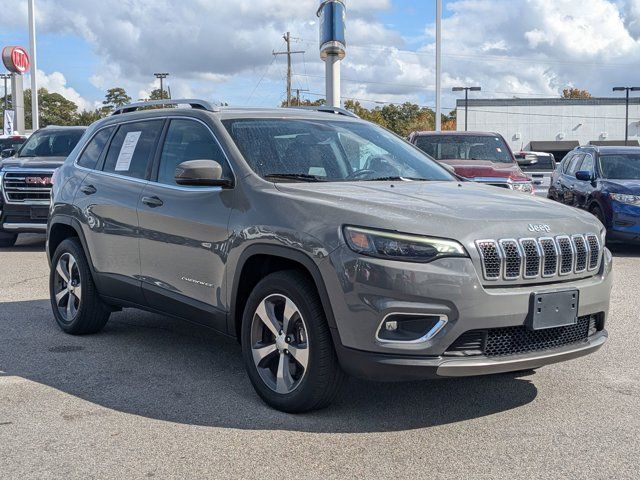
(56, 82)
(220, 48)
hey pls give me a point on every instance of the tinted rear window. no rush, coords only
(465, 147)
(545, 162)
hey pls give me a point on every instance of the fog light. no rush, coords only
(391, 325)
(409, 328)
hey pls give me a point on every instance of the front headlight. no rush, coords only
(525, 187)
(623, 198)
(400, 246)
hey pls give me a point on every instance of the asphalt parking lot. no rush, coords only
(154, 397)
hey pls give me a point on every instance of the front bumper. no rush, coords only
(381, 367)
(23, 218)
(368, 290)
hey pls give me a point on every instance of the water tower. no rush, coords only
(332, 14)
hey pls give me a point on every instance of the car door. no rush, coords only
(184, 230)
(108, 200)
(568, 179)
(582, 188)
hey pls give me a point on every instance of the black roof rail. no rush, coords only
(193, 102)
(327, 109)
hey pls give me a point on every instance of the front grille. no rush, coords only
(513, 259)
(498, 342)
(27, 187)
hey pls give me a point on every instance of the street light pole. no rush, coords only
(35, 120)
(438, 65)
(626, 117)
(161, 76)
(466, 100)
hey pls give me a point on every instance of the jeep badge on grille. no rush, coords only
(539, 227)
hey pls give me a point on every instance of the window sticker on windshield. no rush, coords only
(126, 152)
(499, 149)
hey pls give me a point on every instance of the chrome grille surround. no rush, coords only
(16, 189)
(545, 257)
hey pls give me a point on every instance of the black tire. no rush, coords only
(597, 212)
(322, 376)
(8, 239)
(91, 314)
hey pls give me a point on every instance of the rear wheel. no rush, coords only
(76, 305)
(286, 344)
(8, 239)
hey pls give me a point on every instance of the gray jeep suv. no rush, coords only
(324, 243)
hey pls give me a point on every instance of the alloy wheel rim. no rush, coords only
(67, 287)
(279, 343)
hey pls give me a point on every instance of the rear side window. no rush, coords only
(132, 148)
(94, 148)
(572, 166)
(187, 140)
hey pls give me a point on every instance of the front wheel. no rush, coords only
(287, 346)
(76, 304)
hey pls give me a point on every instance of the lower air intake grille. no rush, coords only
(498, 342)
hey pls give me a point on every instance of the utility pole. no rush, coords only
(35, 119)
(466, 100)
(161, 76)
(626, 117)
(439, 65)
(288, 53)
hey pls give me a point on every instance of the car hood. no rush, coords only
(630, 187)
(464, 211)
(32, 162)
(486, 169)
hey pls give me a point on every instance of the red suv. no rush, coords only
(480, 157)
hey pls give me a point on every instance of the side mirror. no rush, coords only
(584, 175)
(201, 173)
(7, 152)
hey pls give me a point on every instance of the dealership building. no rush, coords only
(554, 125)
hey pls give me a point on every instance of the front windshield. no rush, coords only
(465, 147)
(323, 150)
(50, 143)
(620, 167)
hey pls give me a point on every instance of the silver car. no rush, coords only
(325, 244)
(539, 167)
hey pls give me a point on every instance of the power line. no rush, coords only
(261, 78)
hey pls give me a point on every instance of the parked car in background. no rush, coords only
(324, 243)
(477, 156)
(606, 182)
(539, 167)
(26, 179)
(9, 144)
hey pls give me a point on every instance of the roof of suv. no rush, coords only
(454, 132)
(610, 149)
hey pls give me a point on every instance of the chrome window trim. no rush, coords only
(540, 257)
(482, 259)
(505, 258)
(174, 187)
(442, 321)
(560, 259)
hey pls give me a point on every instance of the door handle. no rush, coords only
(88, 189)
(152, 202)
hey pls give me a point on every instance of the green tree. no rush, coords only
(304, 102)
(87, 117)
(401, 119)
(54, 109)
(157, 95)
(115, 97)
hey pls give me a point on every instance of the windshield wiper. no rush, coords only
(303, 177)
(398, 179)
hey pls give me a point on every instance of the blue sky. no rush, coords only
(221, 50)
